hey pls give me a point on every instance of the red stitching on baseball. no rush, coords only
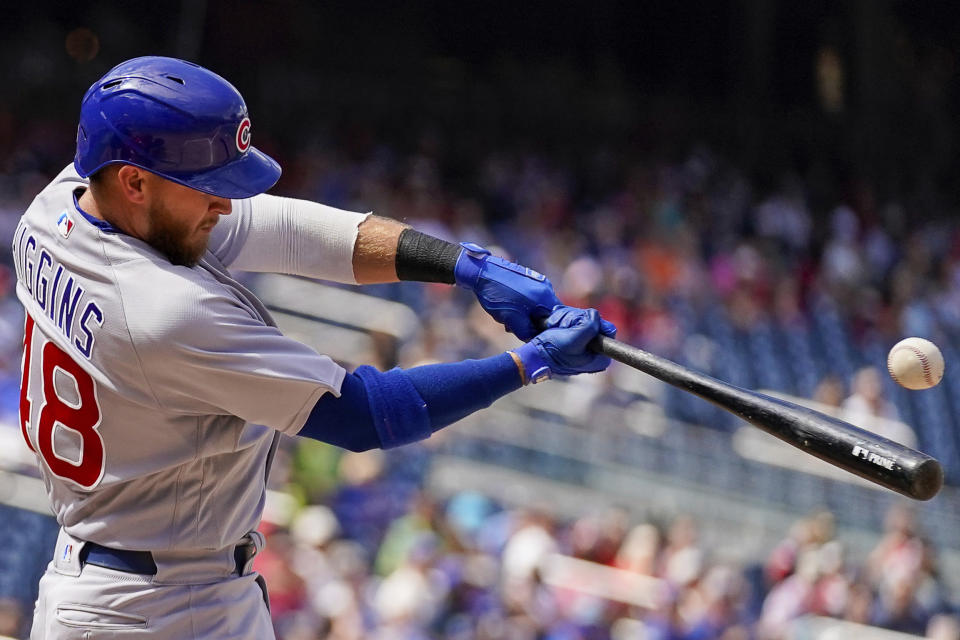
(924, 363)
(890, 367)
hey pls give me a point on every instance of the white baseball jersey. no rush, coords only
(146, 385)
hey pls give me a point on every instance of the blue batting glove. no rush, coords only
(562, 348)
(514, 295)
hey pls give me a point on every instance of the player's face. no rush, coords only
(181, 220)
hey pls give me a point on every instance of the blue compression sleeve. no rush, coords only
(455, 390)
(399, 406)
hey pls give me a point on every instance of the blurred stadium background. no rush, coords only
(765, 191)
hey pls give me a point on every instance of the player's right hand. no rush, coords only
(561, 349)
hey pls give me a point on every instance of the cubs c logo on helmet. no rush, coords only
(243, 135)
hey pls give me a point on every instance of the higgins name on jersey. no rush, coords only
(57, 291)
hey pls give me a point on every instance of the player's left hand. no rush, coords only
(563, 347)
(513, 294)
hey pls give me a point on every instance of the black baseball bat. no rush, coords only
(881, 461)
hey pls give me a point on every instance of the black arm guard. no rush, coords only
(423, 258)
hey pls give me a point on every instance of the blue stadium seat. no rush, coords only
(798, 353)
(29, 542)
(770, 369)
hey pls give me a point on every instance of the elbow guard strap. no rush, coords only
(399, 412)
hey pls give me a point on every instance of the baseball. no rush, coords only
(915, 363)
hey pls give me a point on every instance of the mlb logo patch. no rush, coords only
(67, 552)
(65, 224)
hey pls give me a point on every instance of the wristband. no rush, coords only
(535, 366)
(423, 258)
(520, 368)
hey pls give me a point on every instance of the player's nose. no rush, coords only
(221, 206)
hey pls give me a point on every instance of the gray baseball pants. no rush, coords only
(192, 596)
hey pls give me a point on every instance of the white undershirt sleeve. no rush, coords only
(272, 234)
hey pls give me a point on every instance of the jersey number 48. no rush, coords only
(80, 416)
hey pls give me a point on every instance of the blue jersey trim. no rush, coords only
(103, 225)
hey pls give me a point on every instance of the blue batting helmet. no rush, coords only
(177, 120)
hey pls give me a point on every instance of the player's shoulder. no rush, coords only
(67, 180)
(57, 195)
(57, 224)
(61, 187)
(162, 300)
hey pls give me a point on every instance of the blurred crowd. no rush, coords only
(374, 555)
(632, 236)
(656, 244)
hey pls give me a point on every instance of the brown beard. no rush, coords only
(169, 237)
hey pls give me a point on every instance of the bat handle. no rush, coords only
(604, 344)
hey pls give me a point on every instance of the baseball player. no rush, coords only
(155, 386)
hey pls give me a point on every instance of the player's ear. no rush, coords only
(132, 182)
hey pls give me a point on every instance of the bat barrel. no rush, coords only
(881, 461)
(866, 454)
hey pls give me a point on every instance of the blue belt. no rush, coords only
(118, 559)
(141, 562)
